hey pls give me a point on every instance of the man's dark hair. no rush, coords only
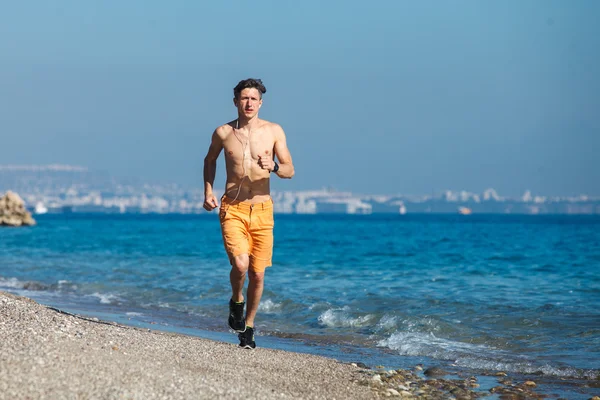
(249, 83)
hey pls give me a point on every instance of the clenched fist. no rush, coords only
(210, 202)
(266, 162)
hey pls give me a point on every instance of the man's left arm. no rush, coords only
(286, 167)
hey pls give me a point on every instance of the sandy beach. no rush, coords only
(46, 354)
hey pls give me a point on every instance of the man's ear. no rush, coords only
(235, 102)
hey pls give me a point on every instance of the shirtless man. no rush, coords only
(246, 213)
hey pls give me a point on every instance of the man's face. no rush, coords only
(249, 102)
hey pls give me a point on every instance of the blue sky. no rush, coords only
(375, 97)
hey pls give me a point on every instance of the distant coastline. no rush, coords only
(73, 189)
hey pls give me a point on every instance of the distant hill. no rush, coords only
(51, 178)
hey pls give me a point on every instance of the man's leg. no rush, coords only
(255, 291)
(237, 276)
(253, 295)
(261, 233)
(239, 266)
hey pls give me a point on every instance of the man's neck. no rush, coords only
(244, 123)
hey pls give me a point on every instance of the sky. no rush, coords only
(382, 97)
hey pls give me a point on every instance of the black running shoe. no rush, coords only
(237, 322)
(247, 338)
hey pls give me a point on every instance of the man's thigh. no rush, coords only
(261, 241)
(235, 233)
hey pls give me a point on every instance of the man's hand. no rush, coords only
(266, 162)
(210, 202)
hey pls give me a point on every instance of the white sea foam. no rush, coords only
(12, 283)
(341, 318)
(133, 314)
(476, 356)
(268, 306)
(105, 298)
(525, 367)
(319, 306)
(387, 322)
(22, 286)
(421, 324)
(423, 344)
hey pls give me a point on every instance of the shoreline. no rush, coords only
(46, 353)
(49, 353)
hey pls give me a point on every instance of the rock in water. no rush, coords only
(435, 371)
(13, 212)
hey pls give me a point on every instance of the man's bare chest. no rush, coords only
(238, 147)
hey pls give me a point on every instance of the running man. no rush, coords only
(246, 213)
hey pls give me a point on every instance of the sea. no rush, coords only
(472, 294)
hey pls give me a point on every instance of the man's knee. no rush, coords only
(257, 277)
(240, 263)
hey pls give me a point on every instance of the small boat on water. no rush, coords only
(40, 208)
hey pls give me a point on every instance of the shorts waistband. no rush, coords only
(245, 205)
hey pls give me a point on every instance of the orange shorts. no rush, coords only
(248, 229)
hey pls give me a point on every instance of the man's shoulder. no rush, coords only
(224, 130)
(272, 126)
(269, 124)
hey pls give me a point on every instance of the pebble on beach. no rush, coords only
(408, 384)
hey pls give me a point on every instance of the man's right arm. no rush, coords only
(210, 170)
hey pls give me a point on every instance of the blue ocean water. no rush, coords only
(514, 293)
